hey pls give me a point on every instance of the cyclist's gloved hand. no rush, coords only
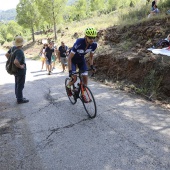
(70, 73)
(92, 67)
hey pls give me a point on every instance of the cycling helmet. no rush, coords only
(91, 32)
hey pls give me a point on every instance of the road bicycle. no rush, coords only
(82, 92)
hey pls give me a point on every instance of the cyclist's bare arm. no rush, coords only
(91, 59)
(71, 55)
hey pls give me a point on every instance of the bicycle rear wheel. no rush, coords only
(72, 97)
(89, 102)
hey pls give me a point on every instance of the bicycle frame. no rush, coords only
(82, 92)
(80, 84)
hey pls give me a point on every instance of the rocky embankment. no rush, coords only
(124, 58)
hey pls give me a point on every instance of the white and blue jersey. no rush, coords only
(80, 50)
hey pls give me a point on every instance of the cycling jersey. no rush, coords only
(79, 50)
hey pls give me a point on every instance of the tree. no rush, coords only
(3, 32)
(80, 9)
(13, 28)
(28, 15)
(97, 5)
(52, 11)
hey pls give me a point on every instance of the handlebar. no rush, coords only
(79, 72)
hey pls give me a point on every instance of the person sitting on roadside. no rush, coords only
(154, 12)
(153, 4)
(62, 55)
(42, 55)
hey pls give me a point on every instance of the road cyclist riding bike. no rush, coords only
(76, 58)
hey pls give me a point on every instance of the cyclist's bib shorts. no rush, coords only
(81, 65)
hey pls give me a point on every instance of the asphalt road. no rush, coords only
(49, 133)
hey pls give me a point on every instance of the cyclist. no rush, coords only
(76, 57)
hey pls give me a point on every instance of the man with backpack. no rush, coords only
(19, 62)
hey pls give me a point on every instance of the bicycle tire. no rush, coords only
(72, 98)
(90, 103)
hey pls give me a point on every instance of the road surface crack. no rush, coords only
(55, 130)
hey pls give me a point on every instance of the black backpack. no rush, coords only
(11, 68)
(163, 43)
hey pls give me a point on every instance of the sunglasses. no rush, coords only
(91, 38)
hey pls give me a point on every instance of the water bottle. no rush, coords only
(77, 87)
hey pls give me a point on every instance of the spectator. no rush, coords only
(62, 55)
(54, 57)
(48, 54)
(20, 63)
(153, 4)
(42, 55)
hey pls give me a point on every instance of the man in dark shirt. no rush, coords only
(62, 55)
(48, 54)
(20, 63)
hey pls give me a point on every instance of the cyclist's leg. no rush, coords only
(83, 67)
(73, 66)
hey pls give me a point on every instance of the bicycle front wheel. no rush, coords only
(71, 95)
(89, 102)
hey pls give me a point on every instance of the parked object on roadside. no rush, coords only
(163, 43)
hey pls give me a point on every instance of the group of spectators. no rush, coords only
(49, 53)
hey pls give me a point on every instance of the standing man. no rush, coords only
(62, 55)
(48, 54)
(21, 65)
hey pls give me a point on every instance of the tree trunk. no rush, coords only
(54, 21)
(55, 31)
(33, 37)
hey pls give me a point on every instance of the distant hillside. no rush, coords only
(7, 15)
(71, 2)
(10, 14)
